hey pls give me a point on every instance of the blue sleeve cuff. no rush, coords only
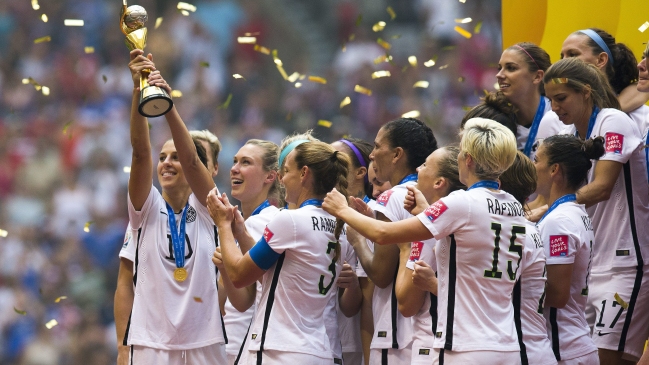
(262, 255)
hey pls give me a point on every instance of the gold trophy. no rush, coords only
(154, 101)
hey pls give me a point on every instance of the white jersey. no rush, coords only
(641, 117)
(567, 235)
(298, 251)
(550, 125)
(349, 328)
(529, 294)
(166, 314)
(237, 323)
(479, 235)
(384, 300)
(424, 322)
(622, 243)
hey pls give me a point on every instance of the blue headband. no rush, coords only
(600, 42)
(288, 150)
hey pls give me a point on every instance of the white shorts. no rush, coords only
(352, 358)
(442, 357)
(391, 356)
(273, 357)
(588, 359)
(208, 355)
(612, 326)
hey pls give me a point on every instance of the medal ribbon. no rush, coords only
(485, 184)
(261, 207)
(591, 122)
(316, 202)
(178, 238)
(534, 128)
(411, 177)
(564, 199)
(366, 199)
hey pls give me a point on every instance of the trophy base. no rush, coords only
(154, 102)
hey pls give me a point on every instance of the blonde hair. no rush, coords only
(269, 163)
(296, 137)
(491, 145)
(212, 141)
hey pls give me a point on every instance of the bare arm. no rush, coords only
(410, 298)
(122, 306)
(349, 292)
(557, 288)
(141, 177)
(379, 265)
(631, 99)
(242, 298)
(604, 178)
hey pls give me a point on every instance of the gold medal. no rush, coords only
(180, 274)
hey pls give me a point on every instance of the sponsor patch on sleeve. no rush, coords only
(384, 198)
(415, 251)
(614, 143)
(559, 245)
(434, 211)
(268, 234)
(127, 238)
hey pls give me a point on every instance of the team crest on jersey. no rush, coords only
(614, 143)
(191, 214)
(434, 211)
(559, 245)
(127, 238)
(268, 234)
(384, 198)
(415, 251)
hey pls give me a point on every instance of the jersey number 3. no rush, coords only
(331, 246)
(513, 247)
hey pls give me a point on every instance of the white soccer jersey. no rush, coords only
(621, 242)
(237, 323)
(550, 125)
(165, 313)
(529, 294)
(480, 235)
(349, 328)
(641, 117)
(424, 322)
(384, 301)
(298, 250)
(129, 246)
(567, 235)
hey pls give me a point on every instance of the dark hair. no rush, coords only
(447, 168)
(535, 57)
(622, 70)
(202, 153)
(414, 137)
(579, 76)
(365, 148)
(520, 178)
(573, 155)
(494, 106)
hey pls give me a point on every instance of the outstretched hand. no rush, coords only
(360, 206)
(221, 211)
(415, 202)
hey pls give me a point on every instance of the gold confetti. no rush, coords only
(298, 85)
(127, 169)
(359, 19)
(383, 44)
(3, 233)
(463, 1)
(422, 84)
(431, 62)
(621, 302)
(45, 90)
(205, 64)
(411, 114)
(324, 123)
(42, 39)
(477, 28)
(379, 26)
(413, 61)
(198, 300)
(276, 58)
(226, 104)
(89, 50)
(44, 18)
(281, 70)
(461, 79)
(464, 21)
(363, 90)
(186, 7)
(462, 32)
(22, 313)
(448, 48)
(35, 5)
(184, 12)
(467, 108)
(73, 22)
(57, 300)
(237, 76)
(248, 34)
(66, 127)
(352, 37)
(396, 36)
(443, 67)
(247, 40)
(86, 227)
(318, 79)
(176, 94)
(346, 101)
(294, 76)
(391, 12)
(644, 27)
(103, 77)
(51, 324)
(379, 74)
(262, 49)
(435, 102)
(158, 21)
(380, 59)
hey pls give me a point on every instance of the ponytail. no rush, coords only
(573, 155)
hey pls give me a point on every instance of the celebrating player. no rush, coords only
(617, 199)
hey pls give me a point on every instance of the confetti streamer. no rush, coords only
(462, 32)
(176, 94)
(226, 104)
(422, 84)
(73, 22)
(346, 101)
(44, 18)
(379, 26)
(362, 90)
(396, 36)
(383, 44)
(391, 12)
(463, 1)
(198, 300)
(205, 64)
(262, 49)
(461, 79)
(184, 12)
(51, 324)
(89, 50)
(477, 28)
(66, 127)
(42, 39)
(621, 302)
(324, 123)
(359, 19)
(237, 76)
(247, 40)
(431, 62)
(158, 21)
(127, 169)
(86, 227)
(448, 48)
(294, 76)
(57, 300)
(411, 114)
(22, 313)
(379, 74)
(380, 59)
(644, 27)
(298, 85)
(443, 67)
(413, 61)
(186, 7)
(3, 233)
(35, 5)
(436, 101)
(318, 79)
(103, 77)
(463, 21)
(45, 90)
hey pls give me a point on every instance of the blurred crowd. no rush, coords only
(64, 156)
